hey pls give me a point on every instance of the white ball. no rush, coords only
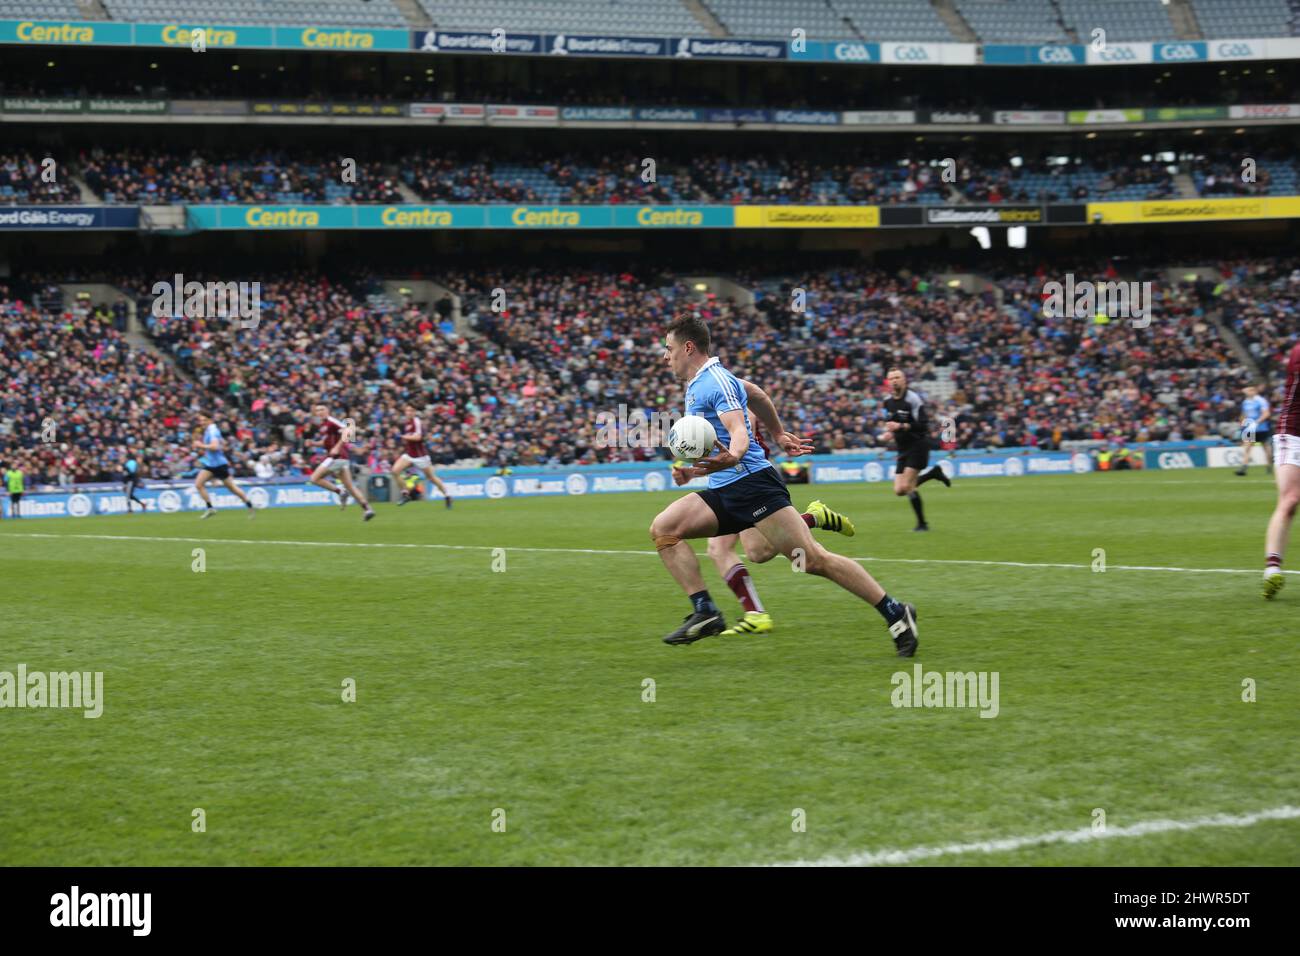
(691, 438)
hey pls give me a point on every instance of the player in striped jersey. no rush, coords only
(1286, 461)
(415, 455)
(722, 548)
(335, 438)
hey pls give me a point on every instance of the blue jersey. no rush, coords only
(131, 466)
(212, 459)
(714, 390)
(1252, 409)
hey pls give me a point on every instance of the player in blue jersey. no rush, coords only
(1257, 426)
(131, 481)
(214, 464)
(744, 492)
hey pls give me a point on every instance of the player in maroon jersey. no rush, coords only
(722, 548)
(415, 455)
(1286, 462)
(334, 436)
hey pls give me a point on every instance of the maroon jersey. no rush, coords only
(758, 435)
(1288, 419)
(331, 433)
(414, 446)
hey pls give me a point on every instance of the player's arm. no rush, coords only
(760, 403)
(1267, 412)
(733, 420)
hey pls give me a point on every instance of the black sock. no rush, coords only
(915, 498)
(703, 603)
(889, 609)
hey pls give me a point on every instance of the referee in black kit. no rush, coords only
(909, 425)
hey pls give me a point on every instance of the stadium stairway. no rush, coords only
(1185, 185)
(91, 10)
(707, 18)
(414, 13)
(954, 21)
(1183, 17)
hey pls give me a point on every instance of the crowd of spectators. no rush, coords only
(540, 354)
(678, 174)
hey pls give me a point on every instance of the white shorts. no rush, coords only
(333, 466)
(421, 463)
(1286, 450)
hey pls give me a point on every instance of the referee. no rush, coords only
(909, 425)
(131, 481)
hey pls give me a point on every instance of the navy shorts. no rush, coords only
(918, 456)
(744, 503)
(219, 472)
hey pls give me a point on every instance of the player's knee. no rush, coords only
(760, 552)
(1290, 502)
(902, 490)
(661, 526)
(717, 549)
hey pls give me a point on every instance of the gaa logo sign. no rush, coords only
(258, 497)
(873, 472)
(852, 52)
(1081, 463)
(1056, 54)
(655, 481)
(912, 54)
(1014, 468)
(576, 484)
(495, 487)
(79, 506)
(1175, 459)
(169, 502)
(1179, 51)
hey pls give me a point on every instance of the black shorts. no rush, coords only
(15, 496)
(219, 472)
(1263, 436)
(918, 456)
(743, 503)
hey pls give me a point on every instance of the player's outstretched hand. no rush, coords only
(793, 445)
(682, 475)
(725, 459)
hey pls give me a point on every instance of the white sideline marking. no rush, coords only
(485, 547)
(1083, 835)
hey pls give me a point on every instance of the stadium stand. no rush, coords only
(618, 17)
(522, 386)
(324, 13)
(1247, 18)
(1123, 20)
(1013, 21)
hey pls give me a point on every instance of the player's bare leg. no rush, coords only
(239, 493)
(200, 485)
(318, 478)
(788, 534)
(684, 519)
(346, 477)
(905, 485)
(438, 483)
(1246, 446)
(399, 468)
(1279, 527)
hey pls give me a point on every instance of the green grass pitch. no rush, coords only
(522, 690)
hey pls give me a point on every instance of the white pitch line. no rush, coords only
(485, 547)
(1083, 835)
